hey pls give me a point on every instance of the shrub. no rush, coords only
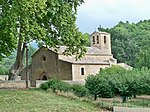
(44, 86)
(79, 90)
(63, 86)
(56, 84)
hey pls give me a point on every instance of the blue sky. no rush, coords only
(108, 13)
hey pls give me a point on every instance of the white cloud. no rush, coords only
(109, 12)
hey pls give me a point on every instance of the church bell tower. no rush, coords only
(102, 41)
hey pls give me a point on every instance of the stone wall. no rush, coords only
(39, 82)
(127, 109)
(13, 84)
(3, 77)
(44, 64)
(88, 70)
(65, 70)
(22, 84)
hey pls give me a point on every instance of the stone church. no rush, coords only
(47, 63)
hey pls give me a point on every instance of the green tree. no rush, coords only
(86, 37)
(92, 85)
(130, 42)
(7, 42)
(118, 81)
(52, 21)
(143, 56)
(144, 81)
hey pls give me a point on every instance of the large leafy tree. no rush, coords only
(143, 55)
(52, 21)
(7, 42)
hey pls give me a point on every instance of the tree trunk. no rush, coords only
(124, 99)
(95, 97)
(18, 64)
(134, 96)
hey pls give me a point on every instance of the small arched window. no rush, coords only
(82, 71)
(97, 39)
(44, 58)
(104, 39)
(93, 39)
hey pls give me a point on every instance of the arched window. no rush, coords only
(44, 58)
(93, 39)
(97, 39)
(82, 71)
(104, 39)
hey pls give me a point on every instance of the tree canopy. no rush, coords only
(118, 81)
(50, 21)
(130, 42)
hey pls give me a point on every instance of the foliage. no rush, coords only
(143, 56)
(101, 85)
(92, 85)
(144, 81)
(85, 41)
(63, 86)
(6, 62)
(118, 81)
(130, 43)
(44, 86)
(56, 84)
(79, 90)
(50, 21)
(86, 37)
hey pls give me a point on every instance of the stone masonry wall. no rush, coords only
(3, 77)
(88, 70)
(13, 84)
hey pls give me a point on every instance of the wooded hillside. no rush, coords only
(131, 42)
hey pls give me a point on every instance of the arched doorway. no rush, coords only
(44, 77)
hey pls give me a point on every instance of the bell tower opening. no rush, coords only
(93, 39)
(104, 39)
(97, 39)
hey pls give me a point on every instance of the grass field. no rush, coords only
(40, 101)
(139, 102)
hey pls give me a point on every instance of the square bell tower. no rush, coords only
(101, 40)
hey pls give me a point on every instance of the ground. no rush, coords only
(142, 101)
(40, 101)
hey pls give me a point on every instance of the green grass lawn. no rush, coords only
(40, 101)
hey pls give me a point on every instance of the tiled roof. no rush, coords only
(84, 60)
(90, 51)
(100, 32)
